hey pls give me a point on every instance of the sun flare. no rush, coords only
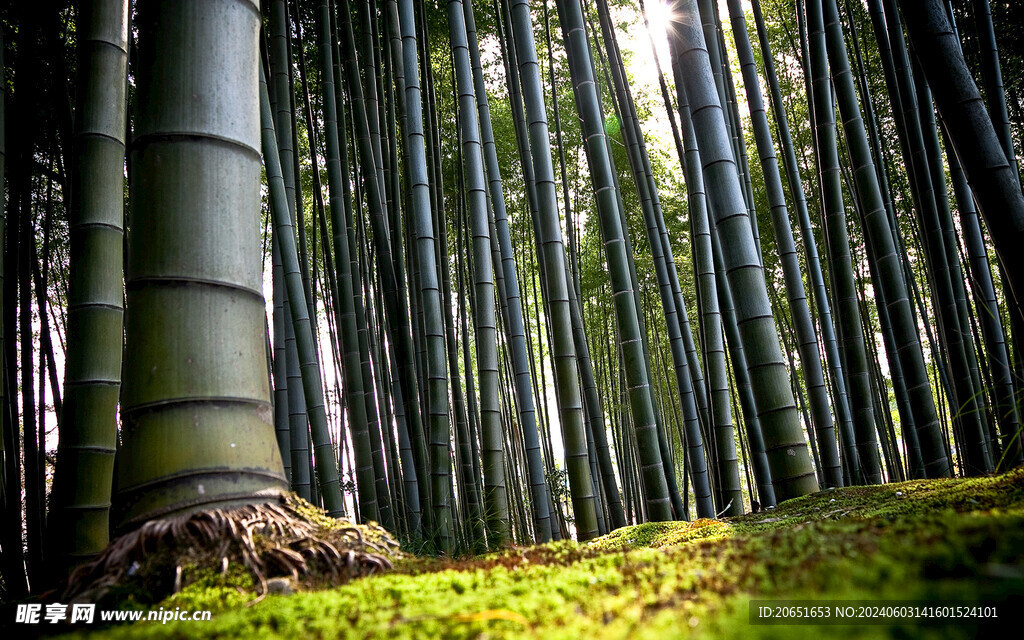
(659, 14)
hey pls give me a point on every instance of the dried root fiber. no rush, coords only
(283, 538)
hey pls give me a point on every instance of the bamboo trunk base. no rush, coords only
(286, 537)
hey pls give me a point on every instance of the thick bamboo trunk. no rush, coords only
(810, 355)
(196, 387)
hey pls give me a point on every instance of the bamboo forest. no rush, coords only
(511, 318)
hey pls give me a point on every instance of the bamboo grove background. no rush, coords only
(512, 294)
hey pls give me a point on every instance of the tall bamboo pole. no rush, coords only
(355, 402)
(88, 434)
(430, 294)
(851, 329)
(495, 494)
(196, 386)
(514, 317)
(552, 255)
(626, 313)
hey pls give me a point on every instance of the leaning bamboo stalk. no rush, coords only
(721, 448)
(807, 342)
(661, 250)
(850, 323)
(815, 276)
(785, 445)
(884, 254)
(323, 449)
(784, 442)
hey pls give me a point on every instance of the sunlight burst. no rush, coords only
(659, 14)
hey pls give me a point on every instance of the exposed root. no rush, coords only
(284, 538)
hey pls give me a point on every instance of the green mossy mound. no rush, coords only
(954, 539)
(661, 534)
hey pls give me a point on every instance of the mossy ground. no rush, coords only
(955, 539)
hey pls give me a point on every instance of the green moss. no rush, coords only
(214, 591)
(208, 598)
(371, 533)
(916, 540)
(661, 534)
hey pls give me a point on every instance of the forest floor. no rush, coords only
(927, 541)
